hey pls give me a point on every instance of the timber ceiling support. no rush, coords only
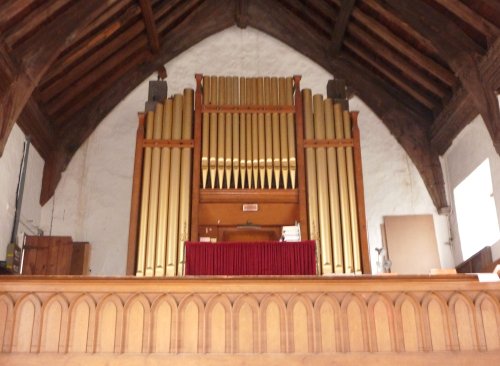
(241, 13)
(398, 113)
(27, 64)
(149, 22)
(346, 8)
(461, 53)
(125, 81)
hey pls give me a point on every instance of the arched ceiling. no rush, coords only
(426, 68)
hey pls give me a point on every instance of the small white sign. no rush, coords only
(250, 207)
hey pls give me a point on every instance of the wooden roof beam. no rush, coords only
(461, 109)
(241, 15)
(346, 8)
(35, 58)
(399, 113)
(461, 53)
(123, 81)
(149, 22)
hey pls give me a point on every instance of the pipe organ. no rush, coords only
(239, 159)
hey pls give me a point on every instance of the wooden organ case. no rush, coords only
(254, 155)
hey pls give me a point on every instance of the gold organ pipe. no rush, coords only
(276, 133)
(312, 185)
(236, 149)
(321, 170)
(185, 179)
(163, 199)
(262, 150)
(249, 91)
(260, 91)
(146, 181)
(333, 187)
(205, 145)
(222, 90)
(221, 131)
(344, 193)
(229, 91)
(291, 133)
(267, 91)
(284, 148)
(248, 126)
(213, 91)
(352, 195)
(254, 91)
(175, 172)
(243, 91)
(206, 90)
(213, 149)
(229, 148)
(153, 193)
(243, 149)
(236, 98)
(255, 150)
(269, 148)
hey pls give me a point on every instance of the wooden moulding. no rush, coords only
(249, 196)
(135, 201)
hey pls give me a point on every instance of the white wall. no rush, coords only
(92, 201)
(10, 165)
(469, 149)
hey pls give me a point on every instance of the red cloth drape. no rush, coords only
(256, 258)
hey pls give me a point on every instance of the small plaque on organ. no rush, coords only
(250, 207)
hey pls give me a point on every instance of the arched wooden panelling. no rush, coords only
(82, 322)
(6, 322)
(27, 313)
(381, 324)
(462, 323)
(273, 325)
(191, 320)
(164, 325)
(54, 330)
(218, 325)
(436, 323)
(300, 329)
(245, 325)
(408, 319)
(136, 325)
(354, 324)
(109, 325)
(488, 322)
(327, 324)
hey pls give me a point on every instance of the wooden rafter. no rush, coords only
(149, 22)
(398, 113)
(35, 57)
(346, 8)
(461, 109)
(241, 14)
(123, 81)
(461, 53)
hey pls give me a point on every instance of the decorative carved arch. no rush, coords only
(155, 308)
(146, 321)
(372, 321)
(6, 324)
(491, 340)
(222, 300)
(118, 327)
(400, 331)
(327, 300)
(183, 305)
(264, 305)
(306, 302)
(426, 302)
(91, 330)
(344, 307)
(253, 304)
(455, 323)
(33, 328)
(55, 300)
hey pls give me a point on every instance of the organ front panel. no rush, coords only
(238, 159)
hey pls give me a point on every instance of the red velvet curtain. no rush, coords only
(256, 258)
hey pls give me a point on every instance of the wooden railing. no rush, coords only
(365, 319)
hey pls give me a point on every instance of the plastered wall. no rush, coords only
(469, 149)
(10, 166)
(92, 201)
